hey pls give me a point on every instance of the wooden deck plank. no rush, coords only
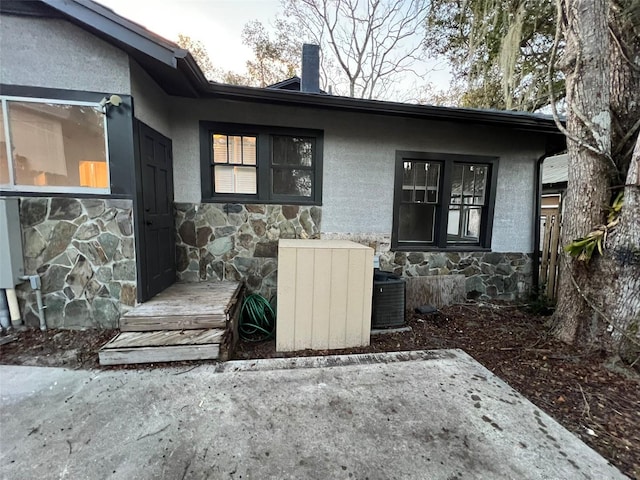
(164, 338)
(176, 322)
(189, 299)
(173, 353)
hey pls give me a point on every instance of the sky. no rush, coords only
(216, 23)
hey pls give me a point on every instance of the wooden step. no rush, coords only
(184, 306)
(162, 346)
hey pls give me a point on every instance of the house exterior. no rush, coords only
(190, 180)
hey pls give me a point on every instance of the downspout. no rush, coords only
(14, 308)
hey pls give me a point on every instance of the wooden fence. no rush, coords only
(551, 222)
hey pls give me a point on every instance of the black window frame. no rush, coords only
(120, 140)
(264, 163)
(447, 162)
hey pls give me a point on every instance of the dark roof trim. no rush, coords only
(284, 84)
(32, 9)
(119, 30)
(519, 120)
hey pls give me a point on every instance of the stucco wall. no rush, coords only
(359, 156)
(150, 102)
(54, 53)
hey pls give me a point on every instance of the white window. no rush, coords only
(53, 146)
(234, 158)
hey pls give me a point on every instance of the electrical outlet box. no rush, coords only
(11, 260)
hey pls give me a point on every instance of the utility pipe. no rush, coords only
(14, 309)
(34, 281)
(5, 323)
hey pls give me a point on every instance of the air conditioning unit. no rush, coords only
(389, 293)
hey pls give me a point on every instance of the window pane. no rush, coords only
(249, 150)
(235, 149)
(472, 223)
(433, 182)
(433, 175)
(420, 182)
(407, 182)
(4, 164)
(456, 184)
(55, 145)
(468, 180)
(420, 169)
(245, 180)
(234, 179)
(453, 224)
(292, 182)
(294, 151)
(474, 179)
(480, 184)
(223, 176)
(219, 148)
(465, 209)
(464, 224)
(416, 222)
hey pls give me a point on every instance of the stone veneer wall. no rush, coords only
(232, 241)
(489, 275)
(83, 250)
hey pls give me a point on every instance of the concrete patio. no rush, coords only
(414, 415)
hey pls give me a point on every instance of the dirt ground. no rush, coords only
(587, 392)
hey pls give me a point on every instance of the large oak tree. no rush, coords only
(599, 298)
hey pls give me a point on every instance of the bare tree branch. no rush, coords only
(369, 40)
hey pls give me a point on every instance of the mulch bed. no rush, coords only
(593, 397)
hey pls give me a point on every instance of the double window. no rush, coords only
(242, 163)
(53, 146)
(443, 201)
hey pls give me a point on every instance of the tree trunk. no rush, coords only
(599, 301)
(587, 71)
(624, 251)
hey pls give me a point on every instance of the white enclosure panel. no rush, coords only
(324, 294)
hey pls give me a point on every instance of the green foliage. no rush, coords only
(499, 50)
(276, 57)
(200, 55)
(583, 248)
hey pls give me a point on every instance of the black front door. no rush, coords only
(157, 245)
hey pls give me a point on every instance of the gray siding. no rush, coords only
(150, 102)
(54, 53)
(359, 156)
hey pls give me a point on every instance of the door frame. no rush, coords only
(138, 207)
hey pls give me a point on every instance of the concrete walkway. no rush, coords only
(418, 415)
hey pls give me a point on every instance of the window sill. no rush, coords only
(258, 201)
(431, 248)
(69, 194)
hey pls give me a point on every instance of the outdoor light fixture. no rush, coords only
(114, 100)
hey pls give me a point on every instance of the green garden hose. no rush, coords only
(257, 319)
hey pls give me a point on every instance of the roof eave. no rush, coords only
(521, 121)
(120, 31)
